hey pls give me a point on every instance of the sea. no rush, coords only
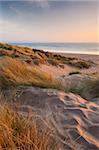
(71, 48)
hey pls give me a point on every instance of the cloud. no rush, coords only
(14, 9)
(40, 3)
(10, 31)
(43, 4)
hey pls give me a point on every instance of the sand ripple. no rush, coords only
(86, 116)
(68, 113)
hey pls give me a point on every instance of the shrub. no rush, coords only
(82, 64)
(49, 54)
(38, 61)
(6, 46)
(61, 66)
(53, 62)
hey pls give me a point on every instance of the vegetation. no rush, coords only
(53, 62)
(29, 133)
(82, 64)
(14, 72)
(18, 67)
(39, 56)
(6, 46)
(91, 89)
(88, 89)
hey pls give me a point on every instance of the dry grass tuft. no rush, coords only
(15, 72)
(28, 133)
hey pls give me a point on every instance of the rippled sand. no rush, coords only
(69, 114)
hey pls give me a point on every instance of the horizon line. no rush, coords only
(45, 42)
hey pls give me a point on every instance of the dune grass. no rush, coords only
(41, 56)
(15, 72)
(6, 46)
(88, 89)
(28, 133)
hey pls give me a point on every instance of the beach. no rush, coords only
(57, 71)
(94, 58)
(60, 90)
(49, 75)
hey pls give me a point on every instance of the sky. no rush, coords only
(49, 21)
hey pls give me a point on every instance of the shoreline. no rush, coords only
(77, 55)
(85, 56)
(58, 51)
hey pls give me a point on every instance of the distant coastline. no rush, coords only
(68, 48)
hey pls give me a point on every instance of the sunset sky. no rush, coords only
(49, 21)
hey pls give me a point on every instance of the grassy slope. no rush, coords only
(39, 56)
(15, 72)
(16, 131)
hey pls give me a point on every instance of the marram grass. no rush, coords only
(15, 72)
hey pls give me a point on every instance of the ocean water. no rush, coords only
(75, 48)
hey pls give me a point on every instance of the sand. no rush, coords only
(94, 58)
(71, 115)
(58, 71)
(74, 118)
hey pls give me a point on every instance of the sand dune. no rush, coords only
(68, 113)
(75, 119)
(58, 71)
